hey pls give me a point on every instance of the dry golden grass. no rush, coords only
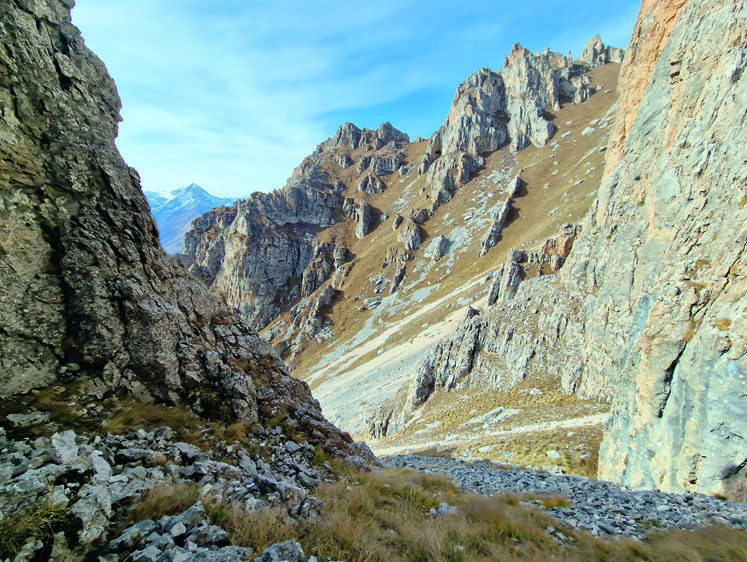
(40, 522)
(385, 515)
(135, 414)
(554, 502)
(166, 499)
(454, 413)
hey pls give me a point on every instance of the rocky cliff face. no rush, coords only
(256, 253)
(649, 309)
(492, 108)
(669, 285)
(88, 293)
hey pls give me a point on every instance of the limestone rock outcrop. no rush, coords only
(491, 109)
(328, 257)
(500, 217)
(670, 306)
(437, 248)
(254, 253)
(649, 309)
(411, 235)
(533, 333)
(654, 25)
(595, 53)
(371, 184)
(348, 135)
(360, 212)
(88, 293)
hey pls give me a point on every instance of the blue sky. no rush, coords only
(233, 94)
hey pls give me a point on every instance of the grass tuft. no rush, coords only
(166, 499)
(39, 523)
(556, 502)
(385, 515)
(134, 414)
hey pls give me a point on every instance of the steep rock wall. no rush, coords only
(254, 253)
(652, 30)
(88, 293)
(670, 283)
(654, 290)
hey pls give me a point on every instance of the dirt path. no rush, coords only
(463, 440)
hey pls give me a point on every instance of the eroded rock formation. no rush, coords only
(596, 53)
(650, 306)
(255, 253)
(88, 293)
(512, 106)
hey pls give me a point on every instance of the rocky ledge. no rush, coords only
(601, 508)
(83, 490)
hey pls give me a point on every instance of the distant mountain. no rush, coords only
(175, 210)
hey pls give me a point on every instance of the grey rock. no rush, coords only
(500, 217)
(595, 53)
(132, 538)
(371, 185)
(225, 554)
(443, 509)
(27, 419)
(187, 451)
(360, 212)
(65, 448)
(102, 469)
(411, 235)
(363, 164)
(209, 535)
(344, 161)
(419, 216)
(148, 554)
(176, 554)
(288, 551)
(195, 516)
(437, 248)
(94, 509)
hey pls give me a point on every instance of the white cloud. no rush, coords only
(236, 93)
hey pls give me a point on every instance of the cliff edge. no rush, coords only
(88, 293)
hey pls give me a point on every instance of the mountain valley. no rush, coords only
(520, 338)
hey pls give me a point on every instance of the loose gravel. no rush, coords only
(601, 508)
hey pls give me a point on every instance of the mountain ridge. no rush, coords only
(586, 361)
(175, 210)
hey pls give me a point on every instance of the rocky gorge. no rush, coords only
(621, 328)
(650, 341)
(558, 264)
(93, 307)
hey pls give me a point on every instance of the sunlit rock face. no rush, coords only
(649, 311)
(255, 253)
(668, 321)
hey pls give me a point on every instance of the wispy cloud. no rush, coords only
(233, 94)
